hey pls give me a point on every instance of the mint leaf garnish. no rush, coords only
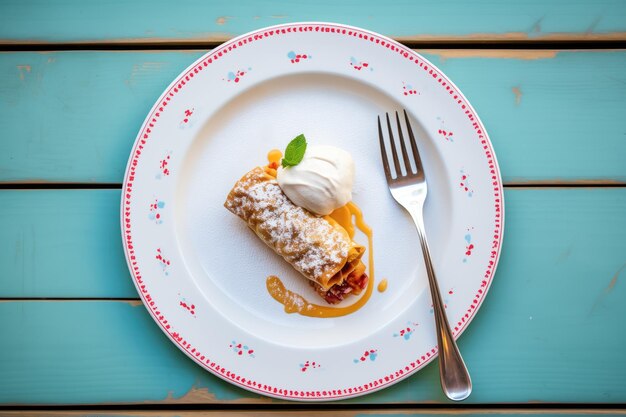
(294, 152)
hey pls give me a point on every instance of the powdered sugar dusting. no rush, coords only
(309, 243)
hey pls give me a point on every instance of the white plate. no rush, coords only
(201, 273)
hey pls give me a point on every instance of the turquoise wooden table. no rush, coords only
(76, 81)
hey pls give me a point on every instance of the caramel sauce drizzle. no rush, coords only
(295, 303)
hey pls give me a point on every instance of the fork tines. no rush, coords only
(396, 171)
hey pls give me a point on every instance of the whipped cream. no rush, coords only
(321, 182)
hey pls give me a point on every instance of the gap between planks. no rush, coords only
(512, 40)
(135, 302)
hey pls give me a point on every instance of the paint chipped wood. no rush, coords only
(518, 95)
(444, 21)
(201, 395)
(523, 54)
(614, 279)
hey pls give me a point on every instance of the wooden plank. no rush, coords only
(550, 330)
(66, 243)
(69, 21)
(62, 244)
(74, 116)
(544, 122)
(535, 105)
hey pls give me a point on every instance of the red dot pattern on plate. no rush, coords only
(447, 135)
(406, 332)
(145, 134)
(235, 76)
(163, 165)
(188, 306)
(469, 247)
(241, 350)
(359, 65)
(155, 211)
(296, 58)
(309, 365)
(370, 354)
(188, 113)
(164, 262)
(465, 184)
(408, 90)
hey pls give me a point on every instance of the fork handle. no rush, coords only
(455, 379)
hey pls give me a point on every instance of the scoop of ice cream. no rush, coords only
(321, 182)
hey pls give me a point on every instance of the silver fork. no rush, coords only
(410, 190)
